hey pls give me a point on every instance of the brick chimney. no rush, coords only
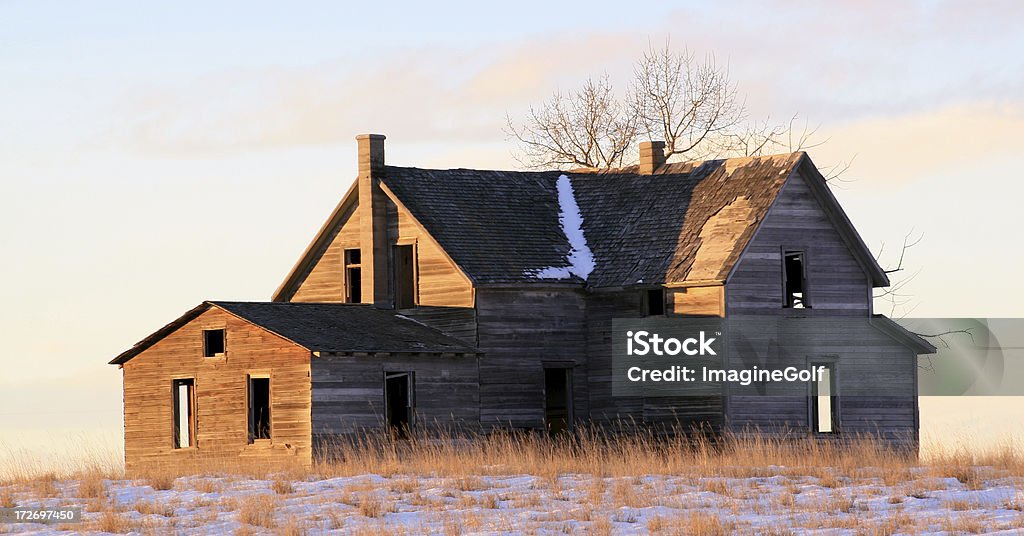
(373, 223)
(652, 156)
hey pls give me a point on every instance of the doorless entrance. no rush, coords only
(398, 403)
(558, 400)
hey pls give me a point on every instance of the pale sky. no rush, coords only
(153, 157)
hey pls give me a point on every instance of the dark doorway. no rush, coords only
(398, 403)
(405, 277)
(558, 400)
(259, 408)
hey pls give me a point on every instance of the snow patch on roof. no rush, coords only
(581, 259)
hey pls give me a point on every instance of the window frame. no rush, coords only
(645, 299)
(410, 243)
(832, 364)
(805, 298)
(251, 431)
(347, 267)
(176, 384)
(223, 344)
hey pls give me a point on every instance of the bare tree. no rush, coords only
(689, 103)
(590, 127)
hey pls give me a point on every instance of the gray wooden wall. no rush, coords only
(836, 282)
(519, 331)
(348, 391)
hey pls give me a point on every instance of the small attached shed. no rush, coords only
(231, 381)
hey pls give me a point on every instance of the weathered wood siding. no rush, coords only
(617, 412)
(877, 385)
(836, 282)
(220, 396)
(439, 281)
(325, 280)
(520, 331)
(696, 301)
(348, 391)
(458, 322)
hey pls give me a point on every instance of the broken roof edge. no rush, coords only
(288, 285)
(800, 156)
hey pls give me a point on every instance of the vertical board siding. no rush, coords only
(348, 391)
(836, 282)
(520, 330)
(220, 395)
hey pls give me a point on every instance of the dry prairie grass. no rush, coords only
(604, 454)
(208, 485)
(7, 498)
(44, 485)
(703, 524)
(114, 522)
(282, 486)
(91, 486)
(292, 526)
(601, 527)
(370, 505)
(258, 510)
(153, 507)
(161, 481)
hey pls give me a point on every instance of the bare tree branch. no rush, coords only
(590, 127)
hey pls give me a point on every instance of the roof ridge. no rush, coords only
(630, 169)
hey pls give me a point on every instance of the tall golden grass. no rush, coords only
(589, 451)
(596, 452)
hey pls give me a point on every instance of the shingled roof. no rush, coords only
(324, 327)
(686, 222)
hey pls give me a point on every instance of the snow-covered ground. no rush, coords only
(779, 503)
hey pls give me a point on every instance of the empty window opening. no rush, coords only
(824, 411)
(399, 403)
(353, 276)
(794, 280)
(213, 342)
(558, 400)
(183, 394)
(259, 408)
(405, 277)
(654, 302)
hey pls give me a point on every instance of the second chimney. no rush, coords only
(652, 156)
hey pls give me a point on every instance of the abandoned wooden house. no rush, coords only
(465, 298)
